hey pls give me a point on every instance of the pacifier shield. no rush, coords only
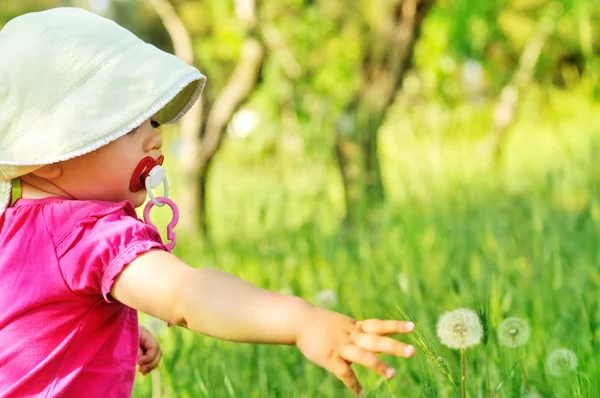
(142, 170)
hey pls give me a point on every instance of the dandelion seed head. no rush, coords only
(403, 282)
(532, 393)
(287, 290)
(460, 329)
(155, 325)
(513, 332)
(561, 361)
(326, 298)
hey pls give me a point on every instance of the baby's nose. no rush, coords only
(158, 141)
(153, 142)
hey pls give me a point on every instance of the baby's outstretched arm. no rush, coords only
(218, 304)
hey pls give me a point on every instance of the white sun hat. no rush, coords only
(72, 81)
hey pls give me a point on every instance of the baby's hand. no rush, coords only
(335, 341)
(149, 353)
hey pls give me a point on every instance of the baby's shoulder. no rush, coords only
(62, 217)
(77, 211)
(99, 209)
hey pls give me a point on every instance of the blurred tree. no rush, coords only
(506, 105)
(335, 69)
(190, 123)
(10, 9)
(387, 57)
(202, 137)
(521, 43)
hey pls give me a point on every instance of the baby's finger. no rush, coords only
(151, 352)
(384, 345)
(149, 355)
(380, 327)
(144, 359)
(342, 370)
(367, 359)
(151, 365)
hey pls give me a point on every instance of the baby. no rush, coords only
(81, 99)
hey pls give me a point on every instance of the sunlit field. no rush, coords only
(517, 239)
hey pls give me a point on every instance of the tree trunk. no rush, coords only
(386, 62)
(241, 84)
(348, 154)
(506, 107)
(190, 124)
(201, 141)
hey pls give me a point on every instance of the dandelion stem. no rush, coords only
(487, 369)
(463, 378)
(523, 369)
(155, 384)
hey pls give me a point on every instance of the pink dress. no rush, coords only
(61, 333)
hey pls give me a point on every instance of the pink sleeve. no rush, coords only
(94, 253)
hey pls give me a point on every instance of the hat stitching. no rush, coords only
(62, 42)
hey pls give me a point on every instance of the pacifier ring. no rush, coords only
(153, 199)
(171, 226)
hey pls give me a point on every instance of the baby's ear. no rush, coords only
(49, 171)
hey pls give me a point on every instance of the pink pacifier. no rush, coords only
(153, 174)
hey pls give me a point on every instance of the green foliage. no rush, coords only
(316, 48)
(10, 9)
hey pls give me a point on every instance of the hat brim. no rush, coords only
(132, 86)
(5, 194)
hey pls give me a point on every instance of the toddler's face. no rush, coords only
(105, 174)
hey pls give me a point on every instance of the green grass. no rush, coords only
(517, 240)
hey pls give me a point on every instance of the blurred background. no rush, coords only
(371, 155)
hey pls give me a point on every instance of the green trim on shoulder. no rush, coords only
(16, 190)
